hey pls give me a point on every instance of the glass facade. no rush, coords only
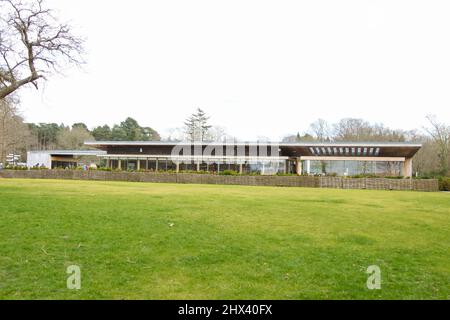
(63, 165)
(265, 167)
(352, 167)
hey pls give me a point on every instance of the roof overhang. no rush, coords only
(71, 152)
(351, 149)
(298, 149)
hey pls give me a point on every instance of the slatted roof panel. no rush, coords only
(351, 150)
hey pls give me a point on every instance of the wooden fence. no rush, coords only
(281, 181)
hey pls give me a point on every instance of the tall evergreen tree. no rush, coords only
(197, 126)
(102, 133)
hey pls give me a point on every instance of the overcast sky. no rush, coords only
(259, 68)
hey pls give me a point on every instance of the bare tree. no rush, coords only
(73, 138)
(440, 132)
(351, 129)
(321, 130)
(217, 134)
(175, 134)
(426, 160)
(33, 44)
(15, 137)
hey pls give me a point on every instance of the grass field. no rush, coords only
(165, 241)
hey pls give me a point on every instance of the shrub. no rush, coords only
(332, 174)
(39, 168)
(202, 172)
(229, 173)
(362, 175)
(104, 169)
(444, 183)
(8, 167)
(357, 176)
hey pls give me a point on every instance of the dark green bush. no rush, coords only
(332, 174)
(229, 173)
(444, 183)
(367, 175)
(104, 169)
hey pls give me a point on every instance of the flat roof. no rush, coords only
(71, 152)
(281, 144)
(293, 149)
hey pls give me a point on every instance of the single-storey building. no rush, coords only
(52, 159)
(339, 158)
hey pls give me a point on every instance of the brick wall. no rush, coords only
(283, 181)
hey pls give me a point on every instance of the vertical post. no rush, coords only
(138, 162)
(308, 166)
(156, 168)
(119, 165)
(299, 166)
(240, 168)
(178, 167)
(198, 166)
(407, 167)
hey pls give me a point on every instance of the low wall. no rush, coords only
(282, 181)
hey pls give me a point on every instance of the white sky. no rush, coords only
(259, 68)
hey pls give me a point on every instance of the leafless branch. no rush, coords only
(33, 43)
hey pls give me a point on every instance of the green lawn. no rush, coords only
(166, 241)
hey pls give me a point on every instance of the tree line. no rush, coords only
(54, 136)
(17, 136)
